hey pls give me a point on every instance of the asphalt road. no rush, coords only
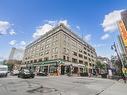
(62, 85)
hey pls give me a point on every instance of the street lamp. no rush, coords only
(113, 47)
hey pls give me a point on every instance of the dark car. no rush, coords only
(26, 73)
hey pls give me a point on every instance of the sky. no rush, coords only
(22, 21)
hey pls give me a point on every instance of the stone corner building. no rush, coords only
(61, 51)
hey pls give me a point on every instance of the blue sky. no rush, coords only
(20, 19)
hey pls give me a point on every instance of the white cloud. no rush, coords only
(78, 27)
(12, 32)
(105, 36)
(4, 27)
(110, 21)
(41, 30)
(22, 43)
(87, 37)
(13, 42)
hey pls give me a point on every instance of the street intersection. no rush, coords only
(54, 85)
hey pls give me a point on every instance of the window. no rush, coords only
(47, 52)
(42, 48)
(64, 36)
(64, 58)
(80, 61)
(56, 50)
(85, 52)
(88, 50)
(41, 53)
(88, 54)
(85, 48)
(67, 58)
(73, 47)
(47, 46)
(54, 43)
(46, 58)
(74, 60)
(89, 59)
(80, 55)
(55, 56)
(85, 57)
(64, 50)
(74, 53)
(40, 60)
(80, 50)
(86, 63)
(49, 40)
(35, 61)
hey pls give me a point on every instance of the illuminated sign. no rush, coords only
(123, 32)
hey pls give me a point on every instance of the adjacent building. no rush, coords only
(122, 24)
(124, 17)
(15, 58)
(16, 54)
(60, 50)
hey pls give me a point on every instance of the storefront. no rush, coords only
(57, 67)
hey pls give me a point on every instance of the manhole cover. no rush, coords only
(42, 90)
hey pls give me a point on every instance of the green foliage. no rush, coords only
(100, 65)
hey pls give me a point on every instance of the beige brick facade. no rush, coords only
(60, 43)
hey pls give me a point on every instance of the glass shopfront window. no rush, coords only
(52, 69)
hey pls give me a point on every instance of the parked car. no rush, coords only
(26, 73)
(3, 70)
(42, 74)
(15, 72)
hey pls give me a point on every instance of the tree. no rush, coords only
(100, 66)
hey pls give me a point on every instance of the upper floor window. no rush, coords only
(80, 50)
(85, 57)
(46, 58)
(80, 55)
(74, 53)
(85, 52)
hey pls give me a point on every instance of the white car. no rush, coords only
(3, 70)
(15, 72)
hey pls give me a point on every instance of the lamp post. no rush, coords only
(114, 47)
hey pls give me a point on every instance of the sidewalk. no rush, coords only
(119, 88)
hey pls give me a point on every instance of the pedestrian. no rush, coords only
(124, 78)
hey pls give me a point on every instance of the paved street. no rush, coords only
(62, 85)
